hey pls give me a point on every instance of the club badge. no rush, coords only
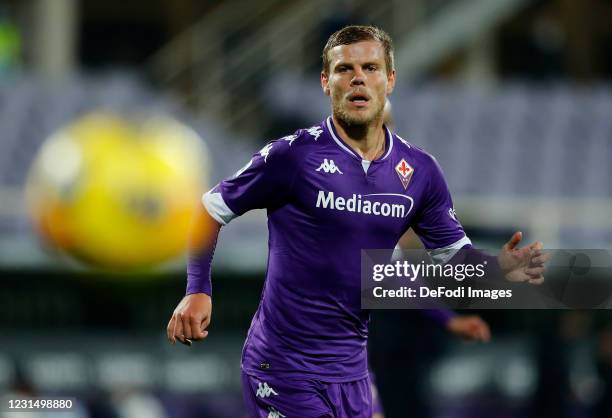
(404, 171)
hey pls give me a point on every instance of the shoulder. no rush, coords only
(415, 154)
(292, 147)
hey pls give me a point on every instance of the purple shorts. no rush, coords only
(279, 397)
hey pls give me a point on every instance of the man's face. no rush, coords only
(357, 82)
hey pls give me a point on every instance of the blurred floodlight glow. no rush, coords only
(195, 375)
(54, 371)
(121, 370)
(119, 191)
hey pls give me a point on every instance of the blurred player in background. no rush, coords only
(328, 191)
(468, 327)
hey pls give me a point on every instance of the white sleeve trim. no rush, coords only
(217, 208)
(442, 255)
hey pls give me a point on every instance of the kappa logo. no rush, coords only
(329, 167)
(453, 214)
(265, 151)
(263, 390)
(290, 138)
(404, 171)
(315, 132)
(275, 414)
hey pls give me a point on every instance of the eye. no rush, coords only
(371, 67)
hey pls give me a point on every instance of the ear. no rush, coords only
(390, 82)
(325, 83)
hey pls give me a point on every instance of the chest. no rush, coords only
(342, 192)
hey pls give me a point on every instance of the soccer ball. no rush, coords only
(116, 192)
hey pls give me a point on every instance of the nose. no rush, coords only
(358, 78)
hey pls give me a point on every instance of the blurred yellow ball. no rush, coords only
(119, 192)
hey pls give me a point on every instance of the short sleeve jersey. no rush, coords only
(325, 204)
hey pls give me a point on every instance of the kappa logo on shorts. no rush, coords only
(275, 414)
(263, 390)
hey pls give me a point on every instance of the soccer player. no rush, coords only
(330, 191)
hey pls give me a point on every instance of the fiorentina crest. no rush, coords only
(404, 171)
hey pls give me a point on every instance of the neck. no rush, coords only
(368, 141)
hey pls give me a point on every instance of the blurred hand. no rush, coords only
(523, 264)
(190, 319)
(469, 327)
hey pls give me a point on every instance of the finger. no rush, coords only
(483, 331)
(537, 245)
(475, 332)
(516, 238)
(196, 328)
(189, 342)
(177, 332)
(206, 322)
(205, 325)
(170, 330)
(486, 333)
(534, 271)
(536, 266)
(186, 326)
(537, 280)
(540, 260)
(186, 341)
(472, 328)
(528, 252)
(545, 257)
(480, 335)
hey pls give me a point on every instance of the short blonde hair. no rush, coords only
(355, 33)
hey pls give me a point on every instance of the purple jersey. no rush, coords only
(325, 204)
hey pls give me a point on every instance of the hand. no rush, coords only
(469, 327)
(523, 264)
(190, 319)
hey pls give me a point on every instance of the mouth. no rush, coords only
(359, 99)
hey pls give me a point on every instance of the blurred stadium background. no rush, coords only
(514, 98)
